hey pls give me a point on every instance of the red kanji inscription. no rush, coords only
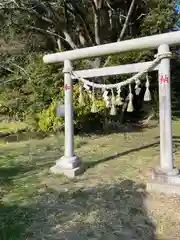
(163, 79)
(67, 87)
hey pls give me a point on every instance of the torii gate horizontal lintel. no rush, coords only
(149, 42)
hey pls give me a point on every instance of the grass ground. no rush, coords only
(11, 127)
(108, 201)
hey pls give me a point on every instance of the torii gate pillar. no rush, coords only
(68, 164)
(166, 178)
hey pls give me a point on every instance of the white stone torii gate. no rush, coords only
(69, 164)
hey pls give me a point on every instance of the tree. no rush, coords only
(32, 27)
(67, 21)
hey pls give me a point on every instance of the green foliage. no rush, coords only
(47, 120)
(161, 17)
(130, 57)
(30, 89)
(84, 120)
(12, 127)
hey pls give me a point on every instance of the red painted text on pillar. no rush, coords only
(67, 87)
(163, 79)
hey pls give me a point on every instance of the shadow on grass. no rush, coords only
(13, 221)
(122, 128)
(109, 212)
(94, 163)
(21, 136)
(7, 174)
(20, 164)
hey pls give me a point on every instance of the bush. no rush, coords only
(84, 120)
(31, 96)
(47, 120)
(28, 91)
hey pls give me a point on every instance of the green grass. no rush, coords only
(108, 201)
(11, 127)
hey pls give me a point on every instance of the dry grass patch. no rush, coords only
(108, 201)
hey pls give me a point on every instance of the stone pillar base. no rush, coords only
(165, 182)
(70, 167)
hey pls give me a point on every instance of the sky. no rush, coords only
(178, 10)
(178, 6)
